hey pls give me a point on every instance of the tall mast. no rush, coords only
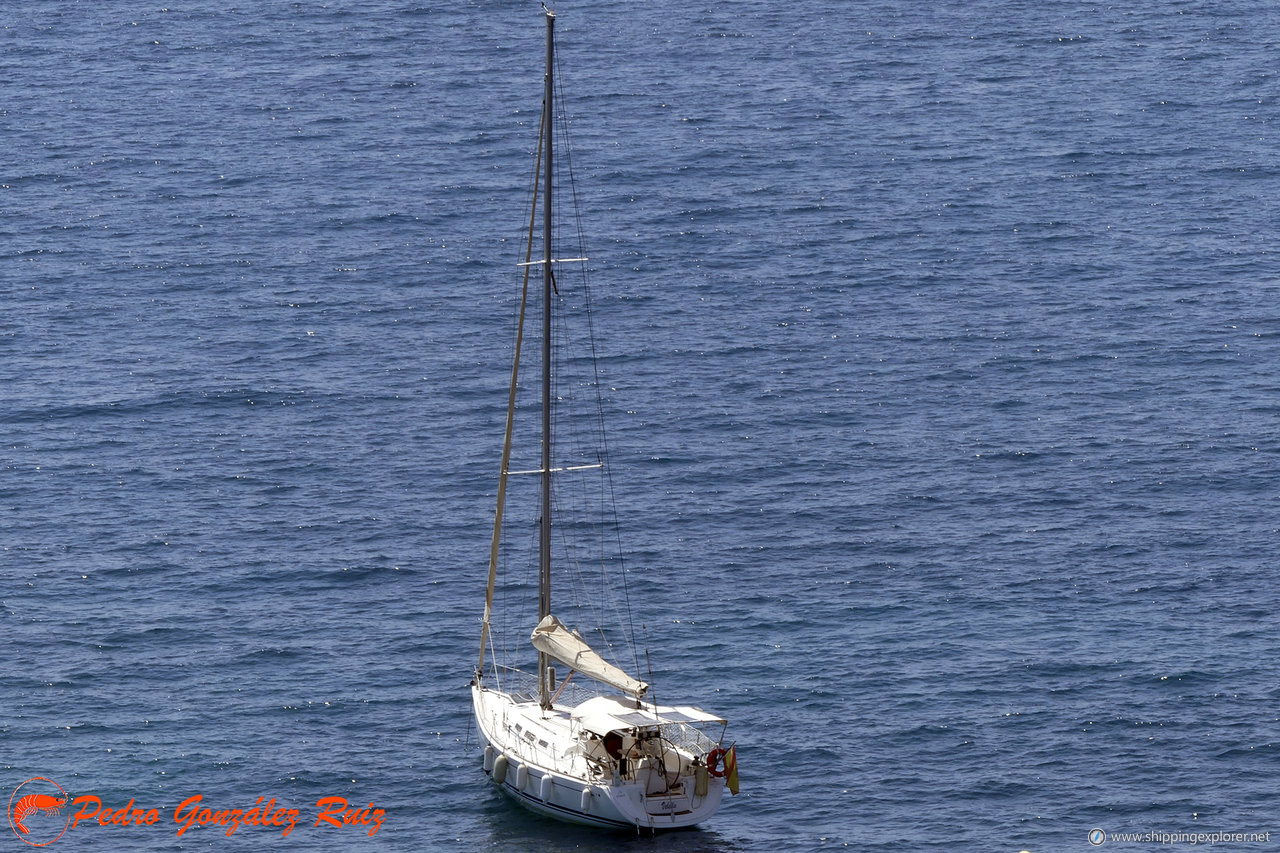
(544, 527)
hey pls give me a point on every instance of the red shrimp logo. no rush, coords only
(35, 811)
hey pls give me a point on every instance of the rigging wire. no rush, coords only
(607, 482)
(499, 638)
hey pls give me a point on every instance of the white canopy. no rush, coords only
(604, 714)
(552, 638)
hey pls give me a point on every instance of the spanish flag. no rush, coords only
(731, 769)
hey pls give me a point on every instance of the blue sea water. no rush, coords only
(941, 341)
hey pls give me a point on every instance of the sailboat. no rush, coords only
(599, 751)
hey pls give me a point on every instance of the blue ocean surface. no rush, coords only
(941, 346)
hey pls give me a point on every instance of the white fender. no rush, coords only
(586, 799)
(488, 759)
(522, 776)
(544, 790)
(500, 769)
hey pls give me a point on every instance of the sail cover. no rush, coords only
(552, 638)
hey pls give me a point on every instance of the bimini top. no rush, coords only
(604, 714)
(551, 637)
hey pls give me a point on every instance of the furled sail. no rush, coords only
(554, 639)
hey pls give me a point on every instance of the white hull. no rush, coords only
(553, 767)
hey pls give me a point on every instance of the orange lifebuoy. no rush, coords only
(713, 762)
